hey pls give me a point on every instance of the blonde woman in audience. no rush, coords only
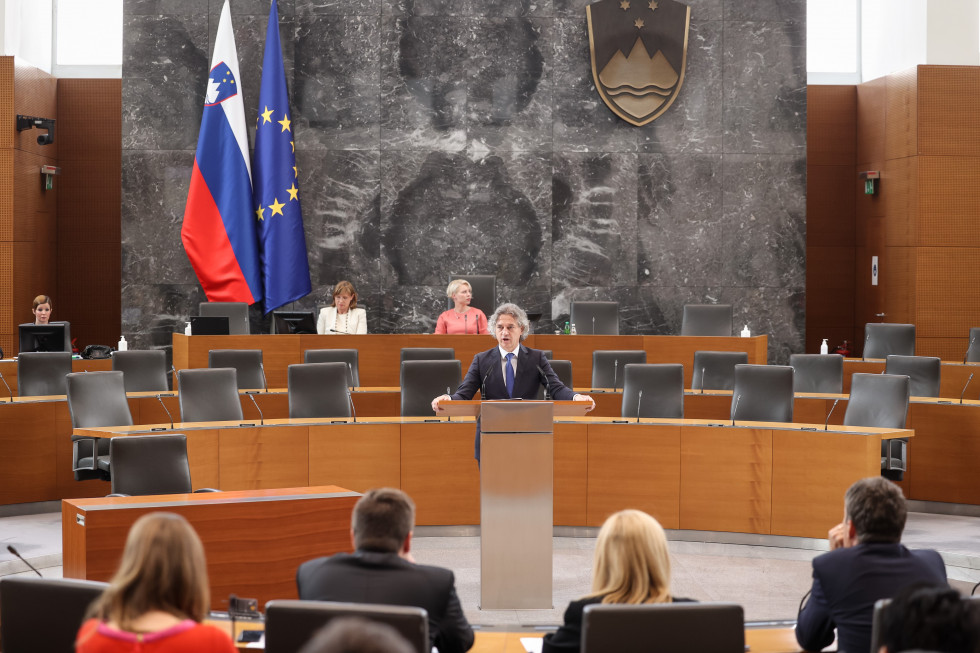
(344, 316)
(632, 565)
(159, 596)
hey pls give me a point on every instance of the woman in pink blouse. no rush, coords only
(461, 318)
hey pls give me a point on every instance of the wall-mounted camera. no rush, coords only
(30, 122)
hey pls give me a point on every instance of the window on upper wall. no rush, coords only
(833, 43)
(88, 38)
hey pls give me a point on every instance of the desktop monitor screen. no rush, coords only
(294, 322)
(55, 336)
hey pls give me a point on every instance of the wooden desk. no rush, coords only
(8, 367)
(254, 541)
(953, 376)
(785, 479)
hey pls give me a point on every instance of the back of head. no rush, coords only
(355, 635)
(632, 563)
(931, 618)
(876, 507)
(162, 568)
(382, 520)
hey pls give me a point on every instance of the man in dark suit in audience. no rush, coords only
(867, 562)
(381, 570)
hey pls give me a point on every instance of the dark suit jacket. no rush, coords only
(568, 638)
(385, 578)
(527, 380)
(846, 584)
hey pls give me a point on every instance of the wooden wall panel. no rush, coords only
(871, 113)
(949, 201)
(831, 126)
(949, 110)
(897, 282)
(898, 191)
(900, 114)
(948, 285)
(830, 206)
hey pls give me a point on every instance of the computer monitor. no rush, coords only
(293, 322)
(210, 325)
(55, 336)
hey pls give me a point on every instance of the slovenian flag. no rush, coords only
(219, 232)
(285, 266)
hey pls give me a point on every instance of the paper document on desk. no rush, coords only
(532, 644)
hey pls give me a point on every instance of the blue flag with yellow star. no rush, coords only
(285, 266)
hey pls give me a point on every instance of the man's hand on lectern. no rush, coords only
(585, 398)
(436, 408)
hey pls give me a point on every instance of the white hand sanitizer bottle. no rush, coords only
(745, 332)
(824, 349)
(122, 345)
(187, 329)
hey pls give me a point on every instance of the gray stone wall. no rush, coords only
(438, 136)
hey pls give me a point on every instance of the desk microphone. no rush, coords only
(265, 384)
(964, 387)
(639, 399)
(827, 421)
(968, 348)
(483, 384)
(735, 408)
(702, 380)
(544, 382)
(10, 547)
(466, 324)
(250, 394)
(615, 373)
(593, 325)
(867, 337)
(350, 371)
(166, 411)
(350, 400)
(8, 388)
(173, 376)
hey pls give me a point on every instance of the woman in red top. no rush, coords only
(461, 318)
(158, 597)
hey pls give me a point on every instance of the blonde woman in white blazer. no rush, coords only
(344, 316)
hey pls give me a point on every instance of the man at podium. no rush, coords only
(510, 370)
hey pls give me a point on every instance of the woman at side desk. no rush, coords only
(158, 597)
(632, 565)
(42, 309)
(344, 316)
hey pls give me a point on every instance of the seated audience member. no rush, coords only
(158, 597)
(355, 635)
(381, 570)
(930, 618)
(42, 309)
(866, 562)
(632, 565)
(344, 316)
(461, 318)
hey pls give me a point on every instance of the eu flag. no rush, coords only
(285, 267)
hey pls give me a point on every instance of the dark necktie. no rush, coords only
(509, 375)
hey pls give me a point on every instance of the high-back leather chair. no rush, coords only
(290, 624)
(674, 627)
(484, 287)
(923, 371)
(608, 364)
(422, 381)
(144, 370)
(563, 369)
(209, 395)
(881, 340)
(427, 354)
(150, 464)
(318, 390)
(715, 370)
(653, 390)
(973, 349)
(247, 362)
(817, 373)
(595, 318)
(95, 399)
(44, 614)
(763, 393)
(41, 373)
(236, 312)
(707, 320)
(348, 356)
(882, 401)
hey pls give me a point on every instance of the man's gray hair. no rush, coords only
(515, 312)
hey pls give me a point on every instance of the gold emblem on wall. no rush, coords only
(639, 52)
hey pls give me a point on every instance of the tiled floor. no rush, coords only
(768, 577)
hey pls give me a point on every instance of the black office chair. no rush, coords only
(44, 614)
(923, 372)
(95, 399)
(319, 390)
(564, 371)
(150, 464)
(653, 390)
(674, 627)
(547, 353)
(595, 318)
(247, 362)
(484, 287)
(424, 380)
(607, 366)
(707, 320)
(427, 354)
(348, 356)
(763, 393)
(290, 624)
(973, 349)
(209, 395)
(715, 370)
(817, 373)
(144, 370)
(236, 312)
(882, 401)
(41, 373)
(881, 340)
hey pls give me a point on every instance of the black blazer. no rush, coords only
(846, 584)
(568, 638)
(385, 578)
(527, 380)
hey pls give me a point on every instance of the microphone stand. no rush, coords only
(9, 392)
